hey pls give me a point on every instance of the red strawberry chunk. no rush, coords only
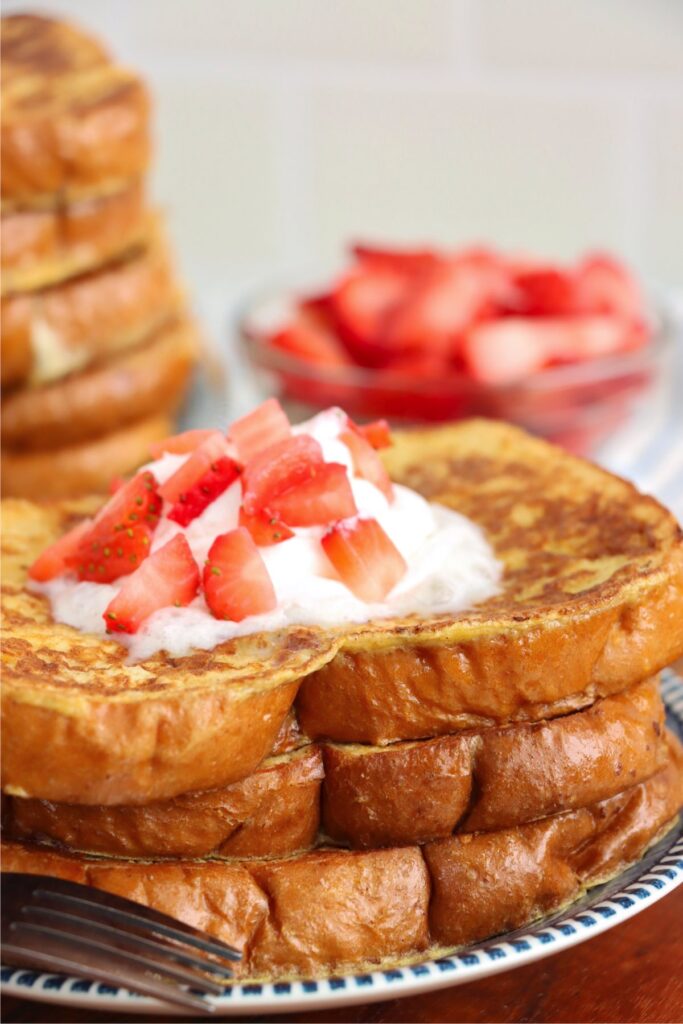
(309, 338)
(168, 578)
(362, 302)
(120, 535)
(213, 448)
(605, 286)
(279, 468)
(367, 463)
(265, 528)
(180, 444)
(439, 308)
(258, 429)
(377, 433)
(325, 497)
(365, 558)
(408, 261)
(54, 561)
(236, 580)
(545, 291)
(217, 479)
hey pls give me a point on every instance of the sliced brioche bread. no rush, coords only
(336, 911)
(51, 333)
(43, 247)
(73, 123)
(379, 796)
(591, 599)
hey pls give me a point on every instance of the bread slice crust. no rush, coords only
(337, 911)
(74, 124)
(591, 598)
(132, 385)
(43, 247)
(379, 796)
(49, 334)
(274, 812)
(82, 469)
(592, 602)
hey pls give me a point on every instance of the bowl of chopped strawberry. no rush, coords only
(427, 336)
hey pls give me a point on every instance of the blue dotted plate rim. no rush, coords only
(657, 873)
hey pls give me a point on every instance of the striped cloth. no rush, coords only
(649, 449)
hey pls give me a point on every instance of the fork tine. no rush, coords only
(24, 953)
(125, 911)
(85, 941)
(78, 925)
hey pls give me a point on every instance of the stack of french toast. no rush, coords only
(97, 347)
(334, 799)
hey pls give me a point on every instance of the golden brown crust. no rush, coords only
(43, 247)
(336, 911)
(73, 123)
(469, 782)
(82, 468)
(272, 813)
(50, 333)
(131, 386)
(592, 597)
(380, 796)
(493, 882)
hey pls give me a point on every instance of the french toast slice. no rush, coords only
(591, 602)
(132, 385)
(374, 797)
(74, 124)
(591, 598)
(82, 469)
(49, 334)
(83, 725)
(336, 911)
(274, 812)
(43, 247)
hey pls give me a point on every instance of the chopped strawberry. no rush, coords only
(120, 535)
(362, 302)
(367, 463)
(167, 578)
(409, 261)
(258, 429)
(309, 338)
(441, 306)
(377, 433)
(236, 580)
(325, 497)
(509, 350)
(279, 468)
(545, 291)
(265, 528)
(589, 337)
(180, 444)
(605, 286)
(55, 560)
(209, 451)
(367, 561)
(217, 479)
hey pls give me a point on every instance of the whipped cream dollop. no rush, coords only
(450, 565)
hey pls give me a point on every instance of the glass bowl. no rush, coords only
(576, 405)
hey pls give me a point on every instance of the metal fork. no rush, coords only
(54, 925)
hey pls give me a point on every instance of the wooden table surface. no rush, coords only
(632, 973)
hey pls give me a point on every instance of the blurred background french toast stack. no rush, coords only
(97, 345)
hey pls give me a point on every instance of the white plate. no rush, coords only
(637, 888)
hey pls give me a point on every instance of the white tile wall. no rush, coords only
(286, 126)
